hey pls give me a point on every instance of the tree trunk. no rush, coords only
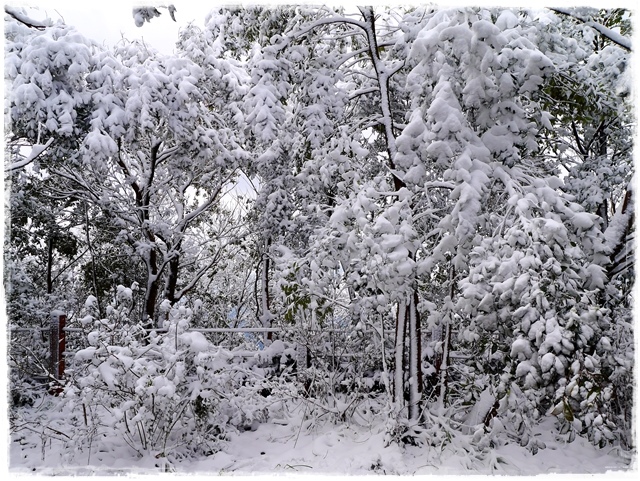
(603, 210)
(172, 280)
(172, 276)
(404, 334)
(143, 201)
(398, 378)
(94, 279)
(415, 359)
(383, 76)
(151, 295)
(618, 261)
(49, 264)
(443, 364)
(266, 316)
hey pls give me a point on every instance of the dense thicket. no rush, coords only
(441, 219)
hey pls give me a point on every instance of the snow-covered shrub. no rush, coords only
(29, 355)
(147, 389)
(534, 314)
(28, 306)
(171, 394)
(596, 401)
(125, 382)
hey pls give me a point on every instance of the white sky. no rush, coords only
(108, 21)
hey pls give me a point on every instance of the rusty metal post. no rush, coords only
(57, 343)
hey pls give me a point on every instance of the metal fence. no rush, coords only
(331, 348)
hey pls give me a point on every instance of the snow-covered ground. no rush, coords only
(296, 448)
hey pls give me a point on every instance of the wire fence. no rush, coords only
(43, 353)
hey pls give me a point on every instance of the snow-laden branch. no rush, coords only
(618, 236)
(615, 37)
(86, 192)
(328, 21)
(360, 51)
(426, 185)
(167, 153)
(364, 91)
(190, 217)
(383, 75)
(36, 151)
(24, 19)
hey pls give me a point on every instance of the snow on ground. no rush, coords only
(295, 449)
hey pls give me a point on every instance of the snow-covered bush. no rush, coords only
(532, 304)
(172, 394)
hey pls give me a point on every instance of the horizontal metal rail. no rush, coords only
(58, 329)
(221, 330)
(29, 329)
(224, 329)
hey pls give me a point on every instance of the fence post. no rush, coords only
(302, 361)
(57, 343)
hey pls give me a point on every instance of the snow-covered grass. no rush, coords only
(297, 446)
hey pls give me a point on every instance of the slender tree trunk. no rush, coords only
(444, 364)
(398, 378)
(172, 276)
(151, 295)
(144, 202)
(383, 76)
(603, 210)
(617, 261)
(266, 316)
(415, 359)
(172, 280)
(411, 333)
(94, 279)
(50, 264)
(437, 336)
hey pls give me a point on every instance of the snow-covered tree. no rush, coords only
(143, 138)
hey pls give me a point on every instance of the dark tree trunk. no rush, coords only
(152, 289)
(265, 295)
(172, 277)
(415, 359)
(50, 264)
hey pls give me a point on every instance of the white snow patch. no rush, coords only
(584, 220)
(479, 411)
(195, 341)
